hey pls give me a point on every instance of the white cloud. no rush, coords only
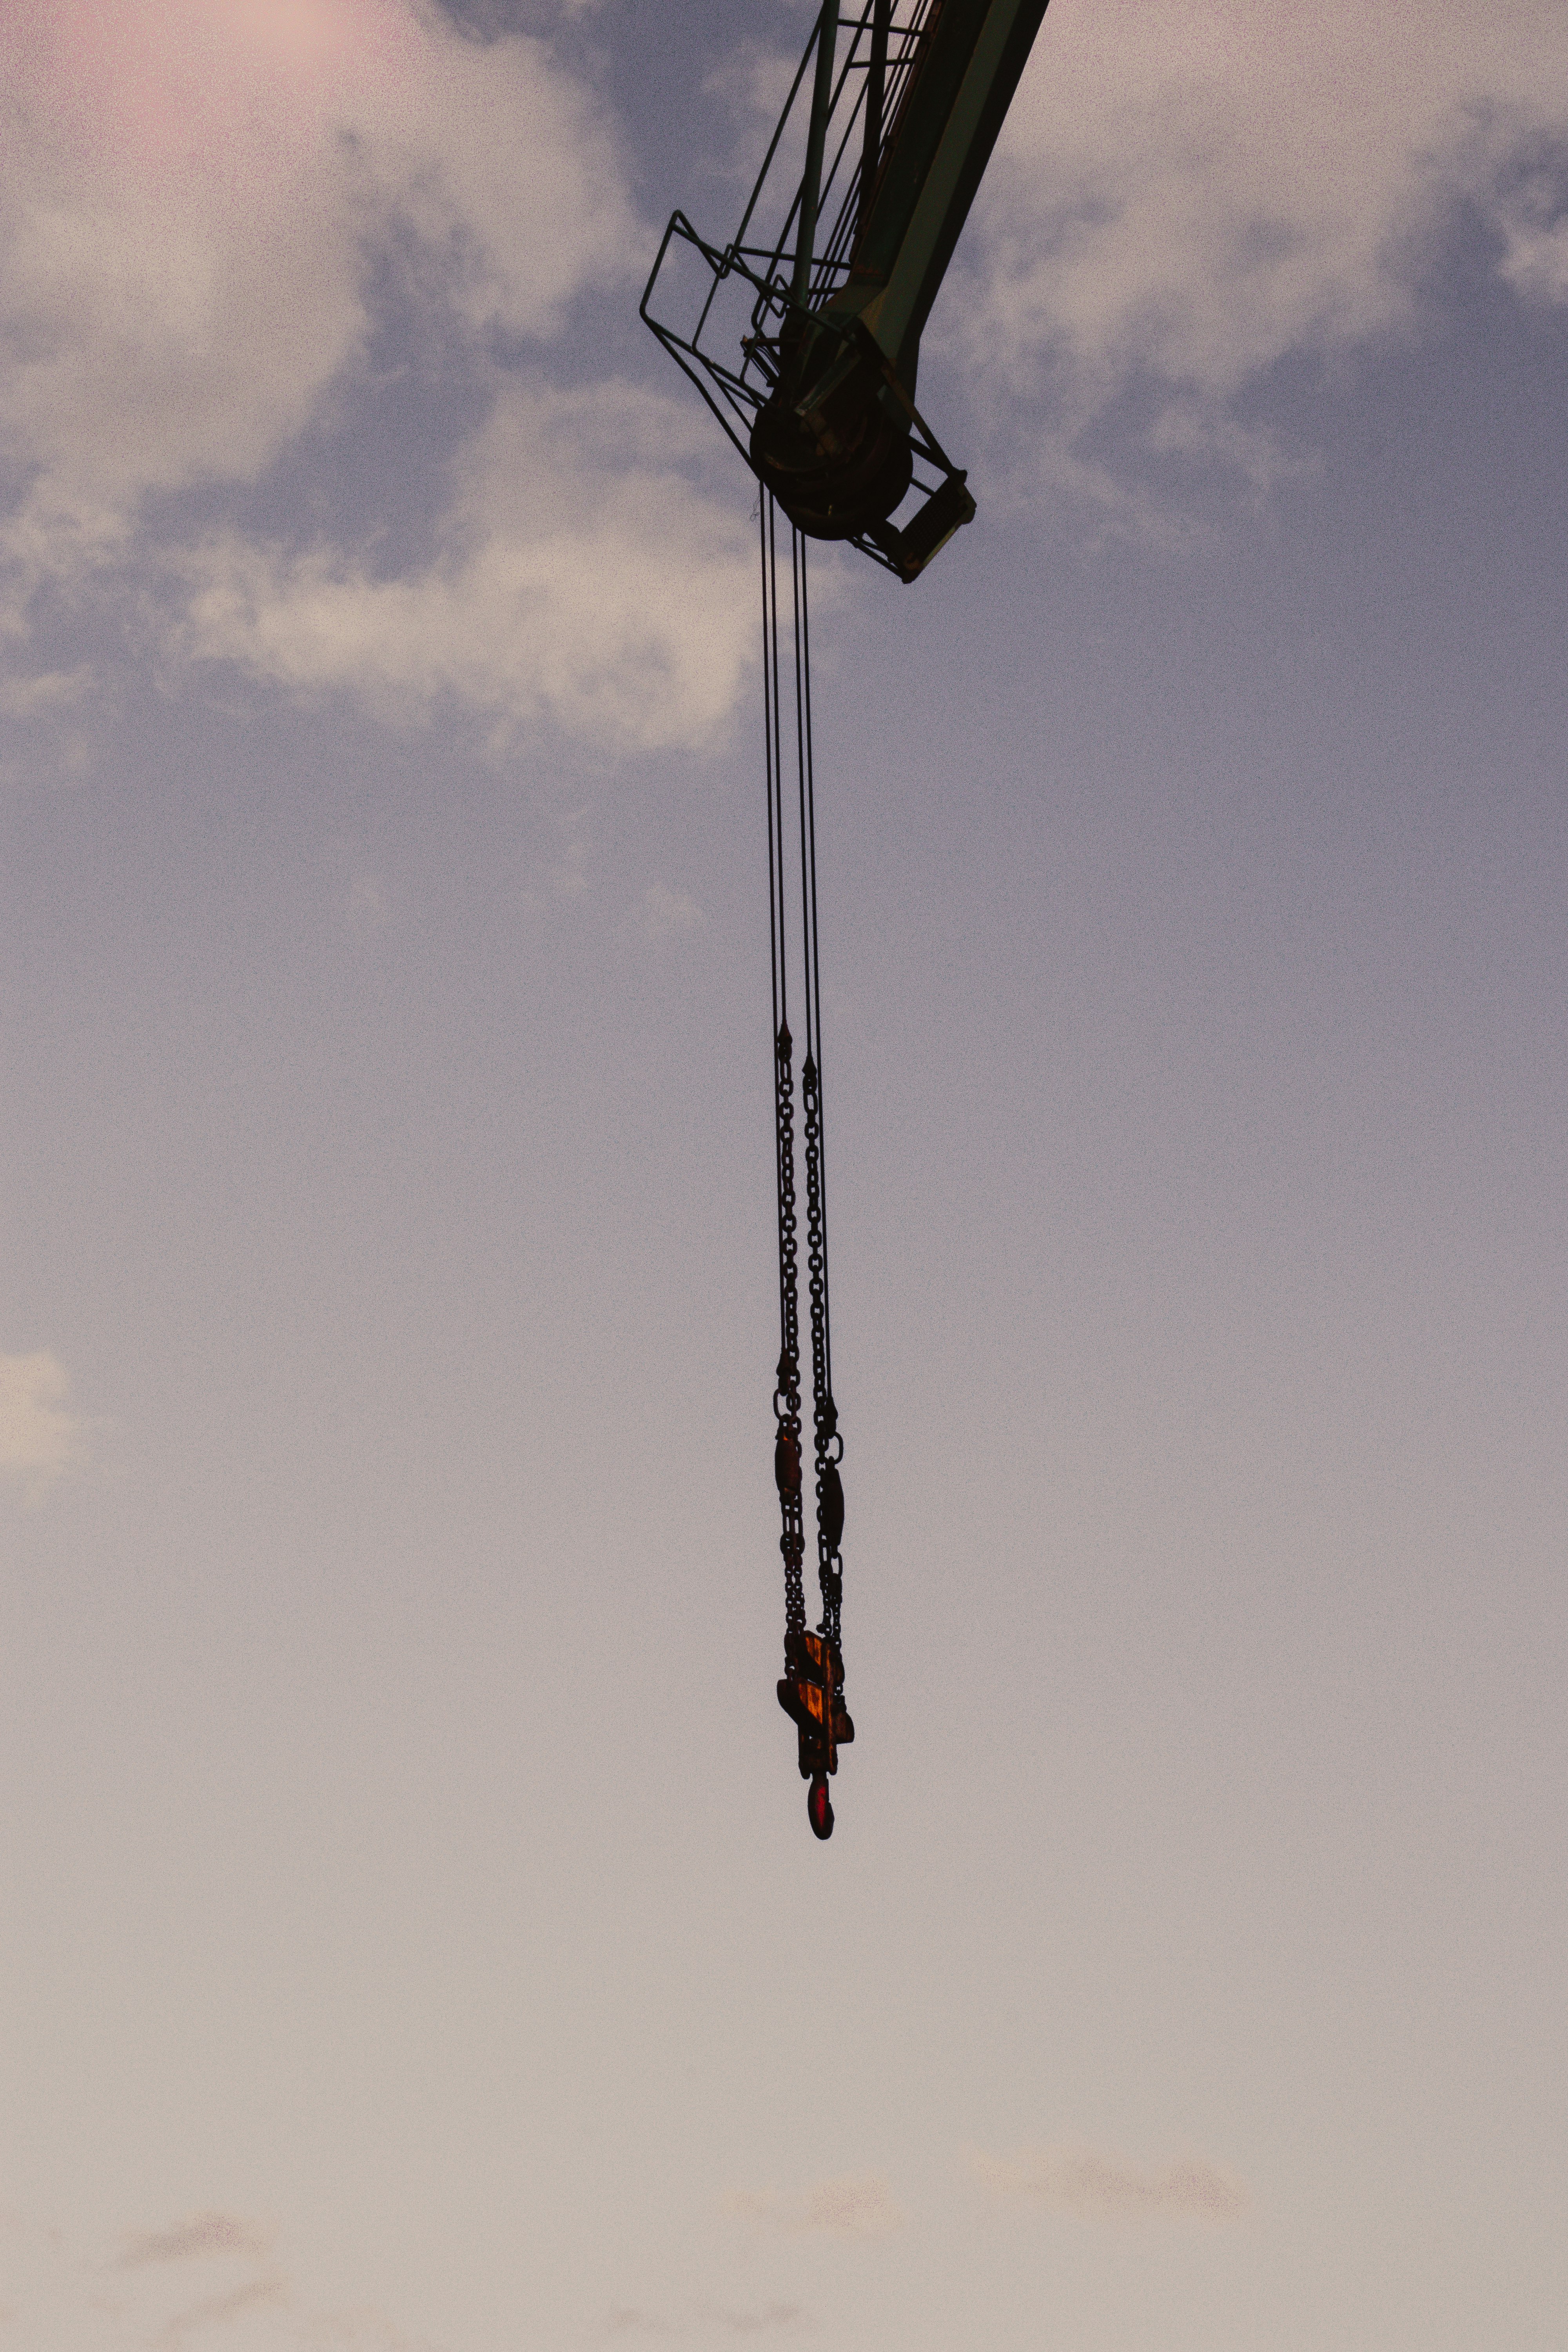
(749, 88)
(1093, 2185)
(580, 578)
(39, 1438)
(860, 2206)
(193, 194)
(1534, 224)
(48, 691)
(368, 903)
(196, 198)
(712, 2320)
(665, 913)
(1189, 191)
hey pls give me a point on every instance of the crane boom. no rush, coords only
(832, 443)
(822, 401)
(931, 168)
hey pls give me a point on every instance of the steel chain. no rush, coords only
(786, 1391)
(825, 1413)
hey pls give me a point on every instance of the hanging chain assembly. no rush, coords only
(802, 333)
(811, 1689)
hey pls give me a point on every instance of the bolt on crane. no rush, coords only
(803, 335)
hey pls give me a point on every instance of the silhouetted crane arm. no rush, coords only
(832, 442)
(934, 158)
(839, 256)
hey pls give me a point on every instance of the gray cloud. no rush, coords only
(1095, 2185)
(208, 2280)
(202, 2234)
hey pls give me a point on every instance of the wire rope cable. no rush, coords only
(813, 1689)
(786, 1378)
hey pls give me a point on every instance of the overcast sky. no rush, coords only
(412, 1932)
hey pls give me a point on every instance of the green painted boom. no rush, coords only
(935, 154)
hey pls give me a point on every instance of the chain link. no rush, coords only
(786, 1391)
(825, 1413)
(824, 1721)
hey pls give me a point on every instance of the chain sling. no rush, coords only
(811, 1689)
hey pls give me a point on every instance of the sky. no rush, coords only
(413, 1940)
